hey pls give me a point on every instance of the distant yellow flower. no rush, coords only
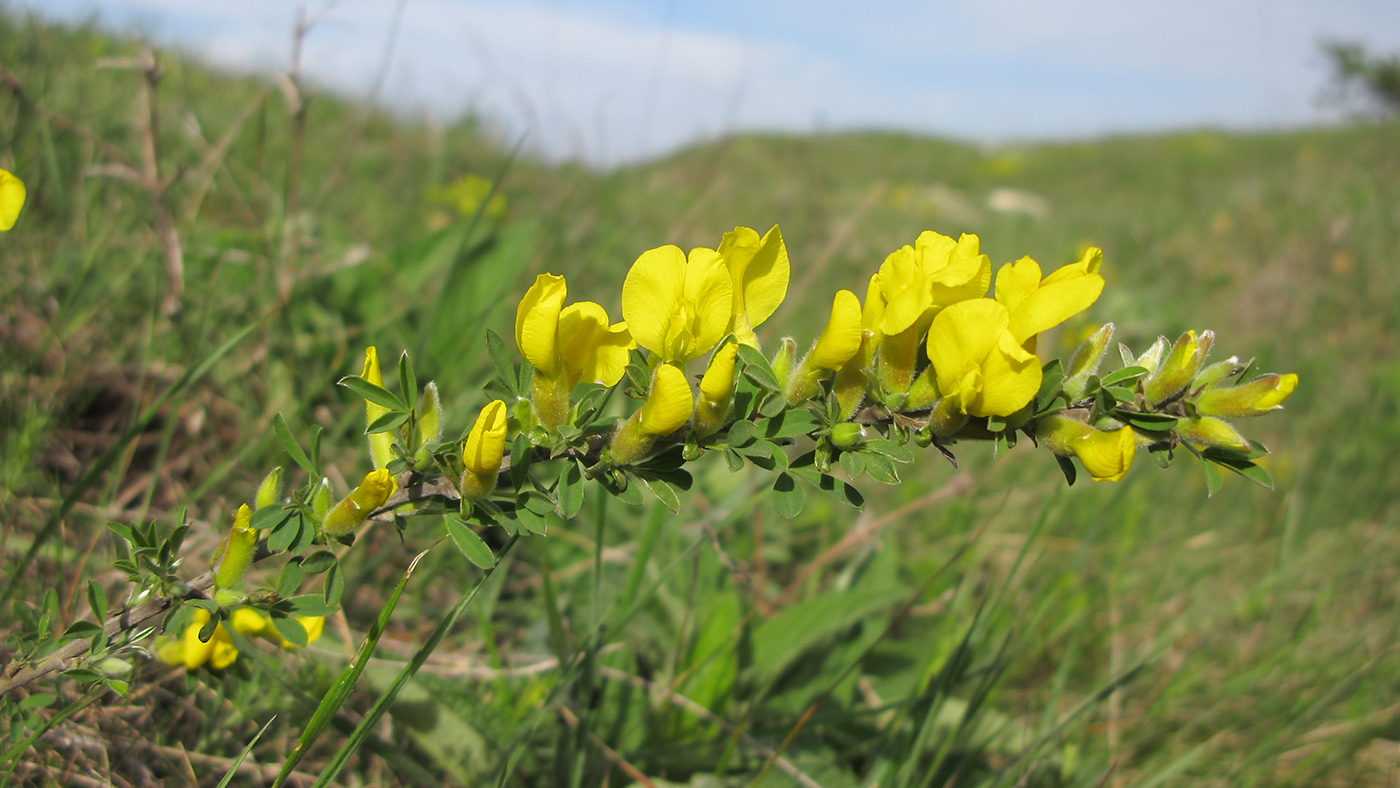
(11, 199)
(980, 368)
(484, 451)
(678, 307)
(466, 194)
(380, 452)
(759, 271)
(1037, 305)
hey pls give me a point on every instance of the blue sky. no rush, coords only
(617, 80)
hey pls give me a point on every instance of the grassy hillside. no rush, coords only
(1254, 631)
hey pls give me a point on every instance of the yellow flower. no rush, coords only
(979, 366)
(466, 195)
(853, 379)
(759, 271)
(1037, 305)
(355, 508)
(567, 345)
(1106, 455)
(915, 283)
(11, 199)
(483, 451)
(678, 308)
(219, 652)
(1255, 398)
(380, 453)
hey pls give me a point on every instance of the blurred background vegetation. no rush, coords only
(977, 626)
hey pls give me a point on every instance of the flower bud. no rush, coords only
(321, 499)
(716, 391)
(1217, 372)
(1086, 361)
(236, 553)
(839, 341)
(784, 359)
(270, 490)
(945, 418)
(1255, 398)
(667, 408)
(1106, 455)
(852, 380)
(429, 422)
(484, 451)
(1151, 357)
(847, 435)
(380, 452)
(1174, 374)
(1209, 431)
(355, 508)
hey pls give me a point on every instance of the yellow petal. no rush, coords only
(904, 291)
(718, 382)
(313, 626)
(1107, 456)
(759, 271)
(224, 652)
(841, 339)
(965, 275)
(486, 443)
(537, 323)
(709, 292)
(592, 350)
(11, 199)
(669, 405)
(1063, 294)
(652, 296)
(196, 652)
(1015, 281)
(977, 363)
(247, 621)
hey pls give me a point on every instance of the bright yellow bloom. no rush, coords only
(678, 308)
(759, 271)
(669, 405)
(355, 508)
(1255, 398)
(934, 273)
(11, 199)
(980, 368)
(576, 341)
(483, 451)
(380, 453)
(1037, 305)
(1106, 455)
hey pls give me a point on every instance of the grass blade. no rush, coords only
(237, 762)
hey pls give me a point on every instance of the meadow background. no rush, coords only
(1250, 637)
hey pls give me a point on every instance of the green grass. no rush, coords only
(1265, 620)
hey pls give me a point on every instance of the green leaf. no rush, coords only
(788, 424)
(1123, 375)
(1246, 468)
(881, 469)
(757, 368)
(387, 422)
(740, 433)
(290, 629)
(318, 562)
(315, 451)
(408, 382)
(522, 454)
(1068, 469)
(304, 605)
(376, 394)
(504, 362)
(853, 463)
(41, 700)
(284, 436)
(772, 405)
(832, 486)
(889, 449)
(531, 521)
(97, 600)
(1152, 422)
(286, 534)
(627, 493)
(469, 543)
(290, 581)
(779, 641)
(788, 498)
(1213, 480)
(733, 460)
(663, 492)
(81, 629)
(570, 489)
(334, 586)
